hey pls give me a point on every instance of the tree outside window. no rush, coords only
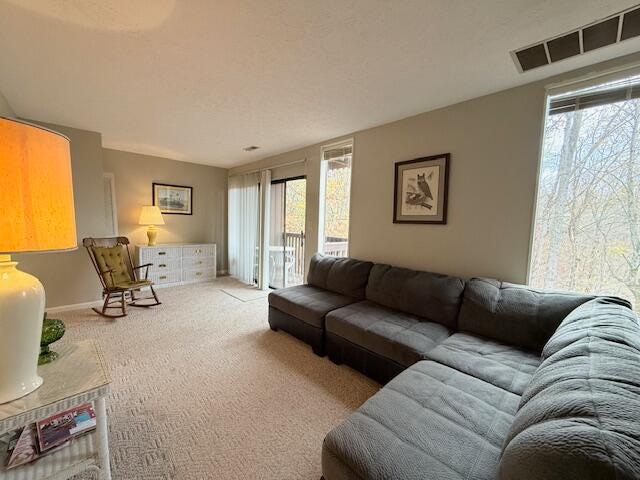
(587, 226)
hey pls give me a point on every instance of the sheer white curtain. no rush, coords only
(244, 231)
(265, 224)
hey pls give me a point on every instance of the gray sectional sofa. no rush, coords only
(485, 379)
(331, 283)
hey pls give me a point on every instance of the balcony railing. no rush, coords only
(296, 242)
(336, 246)
(294, 256)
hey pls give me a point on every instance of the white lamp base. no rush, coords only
(21, 313)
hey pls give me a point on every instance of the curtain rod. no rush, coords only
(286, 164)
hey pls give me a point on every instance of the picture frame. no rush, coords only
(173, 199)
(421, 190)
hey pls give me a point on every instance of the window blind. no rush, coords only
(593, 99)
(337, 152)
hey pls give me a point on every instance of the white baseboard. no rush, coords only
(74, 306)
(98, 303)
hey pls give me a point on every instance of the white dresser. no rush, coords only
(178, 263)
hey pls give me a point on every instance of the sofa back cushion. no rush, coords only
(346, 276)
(579, 417)
(431, 296)
(601, 318)
(514, 314)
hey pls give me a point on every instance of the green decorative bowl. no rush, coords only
(52, 331)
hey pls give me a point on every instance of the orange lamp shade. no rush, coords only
(36, 189)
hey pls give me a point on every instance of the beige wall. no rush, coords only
(494, 143)
(134, 174)
(5, 108)
(68, 277)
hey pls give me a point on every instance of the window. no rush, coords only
(335, 193)
(587, 225)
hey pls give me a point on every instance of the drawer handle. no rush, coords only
(162, 253)
(198, 274)
(199, 263)
(163, 277)
(162, 265)
(198, 251)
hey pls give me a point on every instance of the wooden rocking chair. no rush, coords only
(121, 281)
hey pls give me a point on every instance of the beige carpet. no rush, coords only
(246, 293)
(202, 389)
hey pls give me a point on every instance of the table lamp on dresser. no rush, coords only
(36, 215)
(151, 215)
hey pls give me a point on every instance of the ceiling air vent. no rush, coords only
(601, 34)
(611, 30)
(631, 24)
(532, 57)
(564, 47)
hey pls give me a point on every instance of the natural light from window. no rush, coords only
(587, 225)
(335, 192)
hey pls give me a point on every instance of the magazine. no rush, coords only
(23, 447)
(58, 428)
(15, 435)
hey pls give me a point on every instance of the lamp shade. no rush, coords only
(151, 215)
(36, 189)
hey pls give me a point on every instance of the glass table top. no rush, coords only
(79, 369)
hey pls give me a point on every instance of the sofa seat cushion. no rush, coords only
(398, 336)
(307, 303)
(430, 422)
(501, 365)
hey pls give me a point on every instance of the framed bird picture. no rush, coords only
(421, 190)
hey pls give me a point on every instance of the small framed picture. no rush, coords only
(421, 190)
(173, 199)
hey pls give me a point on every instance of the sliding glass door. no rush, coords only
(286, 232)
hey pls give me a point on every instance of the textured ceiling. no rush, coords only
(198, 80)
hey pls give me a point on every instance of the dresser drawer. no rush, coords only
(165, 264)
(198, 263)
(155, 254)
(159, 278)
(198, 274)
(199, 251)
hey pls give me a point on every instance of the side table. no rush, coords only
(78, 376)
